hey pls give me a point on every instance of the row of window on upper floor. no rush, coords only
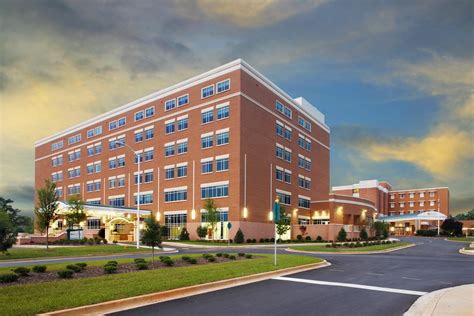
(285, 199)
(412, 195)
(285, 175)
(286, 132)
(285, 153)
(412, 204)
(286, 111)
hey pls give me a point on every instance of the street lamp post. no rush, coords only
(138, 189)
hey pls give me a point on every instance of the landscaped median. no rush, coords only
(30, 253)
(29, 299)
(353, 248)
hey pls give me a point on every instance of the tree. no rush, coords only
(213, 216)
(303, 230)
(184, 235)
(468, 216)
(380, 228)
(7, 234)
(19, 222)
(75, 214)
(342, 235)
(47, 209)
(283, 225)
(363, 234)
(239, 237)
(201, 231)
(151, 235)
(452, 227)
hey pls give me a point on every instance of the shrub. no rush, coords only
(186, 258)
(81, 265)
(192, 261)
(39, 269)
(248, 256)
(104, 241)
(114, 241)
(211, 259)
(363, 234)
(22, 271)
(168, 262)
(164, 258)
(207, 256)
(219, 254)
(8, 277)
(241, 254)
(261, 240)
(342, 235)
(249, 241)
(141, 265)
(90, 241)
(254, 241)
(201, 231)
(66, 274)
(226, 255)
(426, 232)
(112, 262)
(110, 268)
(184, 234)
(299, 237)
(138, 260)
(307, 238)
(319, 238)
(74, 268)
(328, 246)
(239, 237)
(232, 257)
(272, 239)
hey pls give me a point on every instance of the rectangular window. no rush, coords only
(279, 129)
(207, 141)
(287, 112)
(97, 167)
(136, 177)
(279, 107)
(120, 182)
(169, 150)
(169, 128)
(207, 117)
(432, 194)
(215, 191)
(182, 171)
(422, 194)
(112, 164)
(182, 148)
(287, 156)
(223, 112)
(112, 125)
(90, 151)
(138, 137)
(182, 124)
(74, 139)
(183, 100)
(60, 192)
(112, 183)
(301, 162)
(122, 122)
(120, 202)
(170, 104)
(223, 86)
(60, 175)
(149, 155)
(284, 198)
(139, 116)
(93, 224)
(308, 145)
(300, 121)
(222, 138)
(90, 133)
(121, 162)
(287, 134)
(287, 177)
(283, 109)
(148, 176)
(57, 145)
(150, 111)
(97, 186)
(207, 91)
(90, 169)
(279, 152)
(169, 173)
(206, 167)
(301, 182)
(304, 203)
(178, 195)
(138, 156)
(149, 133)
(144, 199)
(301, 142)
(279, 174)
(307, 165)
(222, 164)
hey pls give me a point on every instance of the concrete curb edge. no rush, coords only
(153, 298)
(466, 252)
(352, 252)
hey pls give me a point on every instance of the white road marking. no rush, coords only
(371, 273)
(407, 278)
(351, 285)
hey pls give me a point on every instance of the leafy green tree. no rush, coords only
(21, 223)
(213, 216)
(452, 227)
(380, 228)
(468, 216)
(283, 225)
(342, 235)
(239, 237)
(76, 213)
(201, 231)
(151, 235)
(363, 234)
(184, 235)
(7, 234)
(47, 209)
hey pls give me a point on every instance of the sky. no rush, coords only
(395, 79)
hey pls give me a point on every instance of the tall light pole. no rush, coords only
(139, 157)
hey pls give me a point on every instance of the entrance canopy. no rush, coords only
(425, 216)
(104, 210)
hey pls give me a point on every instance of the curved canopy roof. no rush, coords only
(106, 209)
(425, 216)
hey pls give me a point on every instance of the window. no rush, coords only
(58, 145)
(284, 198)
(60, 160)
(222, 164)
(287, 155)
(136, 178)
(148, 176)
(287, 176)
(182, 147)
(90, 133)
(139, 116)
(169, 128)
(74, 139)
(307, 165)
(145, 199)
(149, 155)
(170, 104)
(432, 203)
(392, 196)
(54, 177)
(93, 223)
(60, 192)
(70, 173)
(287, 133)
(150, 111)
(169, 173)
(176, 195)
(207, 117)
(421, 203)
(301, 162)
(287, 112)
(301, 141)
(214, 191)
(121, 161)
(303, 123)
(122, 121)
(223, 86)
(182, 124)
(300, 121)
(279, 129)
(90, 169)
(182, 171)
(94, 202)
(283, 109)
(207, 91)
(279, 152)
(121, 182)
(402, 196)
(60, 176)
(207, 141)
(183, 100)
(308, 145)
(222, 138)
(223, 112)
(112, 125)
(412, 195)
(113, 163)
(432, 194)
(138, 156)
(392, 205)
(149, 133)
(97, 185)
(422, 194)
(304, 182)
(169, 150)
(412, 204)
(97, 167)
(402, 204)
(206, 166)
(90, 151)
(279, 174)
(138, 137)
(302, 202)
(94, 132)
(279, 107)
(112, 183)
(119, 201)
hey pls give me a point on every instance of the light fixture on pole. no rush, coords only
(276, 218)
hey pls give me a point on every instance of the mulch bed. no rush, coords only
(89, 272)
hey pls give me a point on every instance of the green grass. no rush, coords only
(360, 249)
(461, 239)
(27, 253)
(468, 248)
(36, 298)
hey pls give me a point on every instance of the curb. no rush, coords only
(466, 252)
(153, 298)
(353, 252)
(459, 240)
(185, 245)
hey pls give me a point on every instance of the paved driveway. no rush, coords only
(380, 284)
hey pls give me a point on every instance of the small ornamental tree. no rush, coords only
(452, 227)
(213, 216)
(47, 209)
(282, 226)
(75, 214)
(7, 234)
(201, 231)
(239, 237)
(342, 235)
(379, 228)
(184, 235)
(303, 230)
(151, 235)
(363, 234)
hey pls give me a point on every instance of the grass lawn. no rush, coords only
(468, 248)
(461, 239)
(26, 253)
(36, 298)
(360, 249)
(215, 243)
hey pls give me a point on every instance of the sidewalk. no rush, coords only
(456, 301)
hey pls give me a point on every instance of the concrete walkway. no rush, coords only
(456, 301)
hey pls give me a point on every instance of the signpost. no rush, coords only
(276, 219)
(229, 226)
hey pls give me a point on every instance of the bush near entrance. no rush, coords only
(426, 232)
(342, 235)
(239, 237)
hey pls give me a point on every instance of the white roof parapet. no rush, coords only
(310, 108)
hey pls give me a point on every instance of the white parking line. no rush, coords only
(407, 278)
(351, 285)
